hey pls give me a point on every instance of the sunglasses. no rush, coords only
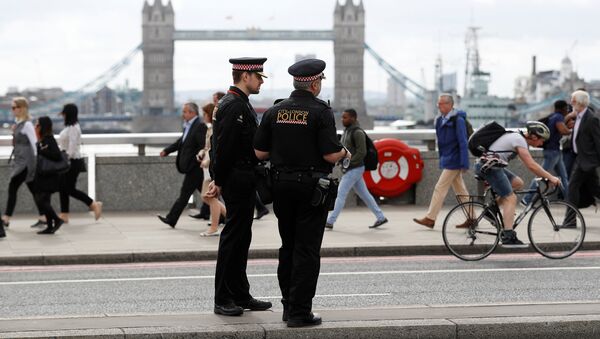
(15, 107)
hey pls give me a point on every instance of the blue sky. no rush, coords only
(69, 42)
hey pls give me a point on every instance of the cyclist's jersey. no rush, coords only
(507, 144)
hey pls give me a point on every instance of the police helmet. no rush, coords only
(538, 128)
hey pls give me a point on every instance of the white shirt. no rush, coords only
(69, 140)
(576, 129)
(29, 132)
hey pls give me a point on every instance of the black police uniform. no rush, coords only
(297, 132)
(232, 166)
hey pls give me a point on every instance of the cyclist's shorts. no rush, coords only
(499, 178)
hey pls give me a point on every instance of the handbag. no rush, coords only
(47, 166)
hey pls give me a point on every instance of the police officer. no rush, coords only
(232, 166)
(298, 135)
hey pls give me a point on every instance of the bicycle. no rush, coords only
(556, 228)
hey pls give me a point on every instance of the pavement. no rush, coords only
(120, 237)
(141, 237)
(569, 320)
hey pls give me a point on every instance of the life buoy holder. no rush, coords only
(400, 166)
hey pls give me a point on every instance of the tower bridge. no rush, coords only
(159, 34)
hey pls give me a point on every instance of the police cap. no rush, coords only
(248, 65)
(307, 70)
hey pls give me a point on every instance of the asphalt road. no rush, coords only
(368, 282)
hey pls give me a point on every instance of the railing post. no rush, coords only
(92, 175)
(431, 145)
(141, 150)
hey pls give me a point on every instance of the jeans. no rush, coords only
(552, 162)
(353, 178)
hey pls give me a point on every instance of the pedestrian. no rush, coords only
(22, 158)
(217, 208)
(233, 171)
(298, 135)
(354, 139)
(586, 146)
(44, 184)
(204, 212)
(2, 232)
(451, 133)
(553, 160)
(69, 140)
(187, 146)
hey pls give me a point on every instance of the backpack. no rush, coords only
(545, 120)
(467, 123)
(371, 160)
(484, 137)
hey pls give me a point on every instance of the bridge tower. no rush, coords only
(349, 51)
(158, 26)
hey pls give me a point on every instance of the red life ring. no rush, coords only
(400, 166)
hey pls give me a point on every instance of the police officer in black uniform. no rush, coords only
(299, 136)
(233, 168)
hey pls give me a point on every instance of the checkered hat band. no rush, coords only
(247, 67)
(310, 78)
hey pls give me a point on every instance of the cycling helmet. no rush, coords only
(538, 128)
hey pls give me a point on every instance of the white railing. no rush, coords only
(143, 140)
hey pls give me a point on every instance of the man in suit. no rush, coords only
(586, 146)
(192, 141)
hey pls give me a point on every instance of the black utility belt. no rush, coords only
(302, 177)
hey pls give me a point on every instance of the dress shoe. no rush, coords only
(329, 226)
(255, 305)
(310, 320)
(261, 214)
(39, 223)
(200, 216)
(379, 223)
(166, 221)
(57, 224)
(425, 222)
(229, 309)
(468, 223)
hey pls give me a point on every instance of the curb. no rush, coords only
(578, 326)
(120, 258)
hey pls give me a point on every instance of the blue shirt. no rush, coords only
(186, 127)
(553, 143)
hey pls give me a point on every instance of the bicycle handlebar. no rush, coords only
(547, 190)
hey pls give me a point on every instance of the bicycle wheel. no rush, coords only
(558, 231)
(478, 239)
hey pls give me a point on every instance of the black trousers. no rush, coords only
(13, 187)
(583, 186)
(191, 181)
(260, 207)
(301, 228)
(68, 187)
(231, 281)
(43, 201)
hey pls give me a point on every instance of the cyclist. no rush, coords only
(504, 182)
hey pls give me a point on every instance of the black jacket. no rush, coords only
(588, 141)
(48, 148)
(187, 150)
(234, 126)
